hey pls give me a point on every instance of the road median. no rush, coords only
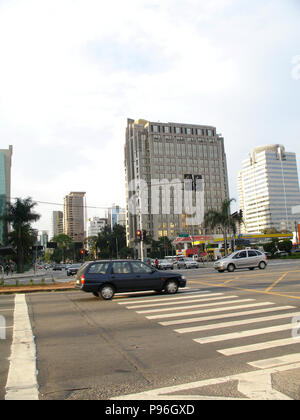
(28, 288)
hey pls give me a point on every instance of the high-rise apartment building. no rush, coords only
(159, 159)
(74, 216)
(5, 187)
(268, 189)
(57, 223)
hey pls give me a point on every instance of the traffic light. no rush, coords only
(241, 214)
(139, 235)
(82, 251)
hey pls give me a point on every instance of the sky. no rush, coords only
(73, 71)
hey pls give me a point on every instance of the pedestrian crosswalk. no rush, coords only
(215, 318)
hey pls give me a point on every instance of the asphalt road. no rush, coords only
(225, 336)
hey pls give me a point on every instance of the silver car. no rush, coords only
(165, 265)
(187, 263)
(246, 258)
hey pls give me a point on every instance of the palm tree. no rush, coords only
(223, 219)
(20, 216)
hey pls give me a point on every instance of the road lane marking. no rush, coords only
(168, 303)
(195, 306)
(260, 346)
(246, 333)
(276, 282)
(263, 292)
(230, 315)
(230, 324)
(255, 385)
(22, 375)
(205, 311)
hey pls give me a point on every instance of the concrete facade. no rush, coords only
(159, 153)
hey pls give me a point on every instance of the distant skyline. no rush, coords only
(73, 71)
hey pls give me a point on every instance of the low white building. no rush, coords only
(96, 225)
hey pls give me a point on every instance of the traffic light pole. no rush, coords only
(141, 229)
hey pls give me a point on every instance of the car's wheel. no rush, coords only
(262, 265)
(231, 268)
(171, 287)
(107, 292)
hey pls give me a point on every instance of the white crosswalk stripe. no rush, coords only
(197, 306)
(247, 333)
(235, 323)
(226, 315)
(260, 346)
(205, 311)
(199, 299)
(230, 312)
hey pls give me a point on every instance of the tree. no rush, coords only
(224, 220)
(20, 215)
(285, 245)
(161, 248)
(91, 243)
(64, 247)
(112, 244)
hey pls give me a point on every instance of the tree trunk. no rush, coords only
(20, 258)
(225, 242)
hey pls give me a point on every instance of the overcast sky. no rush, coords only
(73, 71)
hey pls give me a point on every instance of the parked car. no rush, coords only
(281, 254)
(58, 267)
(187, 263)
(72, 269)
(247, 258)
(105, 278)
(165, 265)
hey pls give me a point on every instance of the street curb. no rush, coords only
(7, 290)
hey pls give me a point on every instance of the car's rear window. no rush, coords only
(82, 268)
(98, 268)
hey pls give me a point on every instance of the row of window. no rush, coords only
(183, 130)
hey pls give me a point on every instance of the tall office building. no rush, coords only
(57, 223)
(5, 187)
(268, 189)
(74, 216)
(116, 216)
(160, 158)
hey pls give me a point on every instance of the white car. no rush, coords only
(187, 263)
(165, 265)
